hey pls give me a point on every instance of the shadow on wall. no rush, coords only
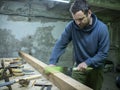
(38, 44)
(8, 44)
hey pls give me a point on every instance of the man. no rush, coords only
(90, 38)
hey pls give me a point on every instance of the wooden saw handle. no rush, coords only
(32, 77)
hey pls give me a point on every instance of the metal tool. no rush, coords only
(23, 82)
(49, 86)
(3, 73)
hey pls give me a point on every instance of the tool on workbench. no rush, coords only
(66, 70)
(24, 81)
(22, 72)
(87, 69)
(48, 86)
(53, 69)
(18, 70)
(5, 73)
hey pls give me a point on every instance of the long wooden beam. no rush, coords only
(62, 81)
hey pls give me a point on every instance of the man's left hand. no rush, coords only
(82, 66)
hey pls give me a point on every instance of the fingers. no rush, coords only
(52, 65)
(82, 66)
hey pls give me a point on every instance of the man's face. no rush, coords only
(81, 19)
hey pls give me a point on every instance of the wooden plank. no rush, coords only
(62, 81)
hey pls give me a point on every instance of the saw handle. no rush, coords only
(87, 69)
(32, 77)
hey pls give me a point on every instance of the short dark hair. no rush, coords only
(79, 5)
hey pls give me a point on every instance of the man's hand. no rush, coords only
(82, 66)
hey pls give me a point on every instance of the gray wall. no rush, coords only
(36, 38)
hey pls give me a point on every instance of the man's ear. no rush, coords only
(89, 12)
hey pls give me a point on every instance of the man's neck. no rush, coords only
(91, 20)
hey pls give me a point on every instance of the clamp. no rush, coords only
(49, 86)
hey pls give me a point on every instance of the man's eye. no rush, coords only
(81, 19)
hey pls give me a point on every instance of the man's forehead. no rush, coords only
(79, 14)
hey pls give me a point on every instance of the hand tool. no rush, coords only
(4, 73)
(49, 86)
(53, 69)
(23, 82)
(22, 72)
(87, 69)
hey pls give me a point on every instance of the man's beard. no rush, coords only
(83, 25)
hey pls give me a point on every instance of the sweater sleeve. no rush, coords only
(103, 48)
(60, 46)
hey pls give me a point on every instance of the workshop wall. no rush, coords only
(36, 38)
(33, 29)
(114, 54)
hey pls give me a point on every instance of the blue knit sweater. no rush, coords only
(91, 44)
